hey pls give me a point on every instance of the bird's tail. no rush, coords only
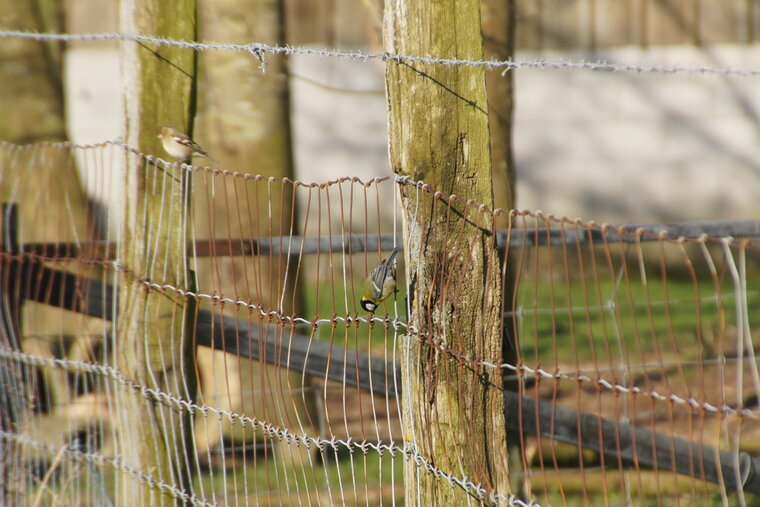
(205, 155)
(389, 262)
(392, 256)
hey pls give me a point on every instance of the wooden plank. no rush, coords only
(724, 21)
(665, 22)
(614, 23)
(633, 445)
(598, 24)
(530, 24)
(358, 243)
(752, 17)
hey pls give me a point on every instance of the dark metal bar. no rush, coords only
(359, 243)
(627, 233)
(282, 347)
(66, 290)
(242, 336)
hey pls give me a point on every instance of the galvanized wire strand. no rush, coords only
(260, 50)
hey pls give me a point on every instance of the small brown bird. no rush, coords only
(180, 146)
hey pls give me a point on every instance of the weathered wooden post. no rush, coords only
(453, 409)
(154, 342)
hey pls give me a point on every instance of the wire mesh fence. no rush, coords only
(629, 374)
(635, 376)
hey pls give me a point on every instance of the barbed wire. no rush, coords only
(258, 50)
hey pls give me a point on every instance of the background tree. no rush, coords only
(245, 124)
(32, 110)
(499, 34)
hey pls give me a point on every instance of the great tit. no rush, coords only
(380, 283)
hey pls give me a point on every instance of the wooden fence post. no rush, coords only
(155, 345)
(453, 411)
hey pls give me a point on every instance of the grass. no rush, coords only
(355, 479)
(605, 322)
(352, 479)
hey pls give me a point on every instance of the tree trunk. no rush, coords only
(453, 408)
(51, 205)
(154, 342)
(246, 125)
(499, 44)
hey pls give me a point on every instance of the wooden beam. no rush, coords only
(294, 246)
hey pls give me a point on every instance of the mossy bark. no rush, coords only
(499, 44)
(51, 202)
(155, 347)
(438, 117)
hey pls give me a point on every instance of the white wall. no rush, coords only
(640, 147)
(614, 147)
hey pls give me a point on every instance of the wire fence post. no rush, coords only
(155, 345)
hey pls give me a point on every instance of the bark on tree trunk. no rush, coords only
(51, 204)
(499, 25)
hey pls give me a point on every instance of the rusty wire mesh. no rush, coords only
(632, 376)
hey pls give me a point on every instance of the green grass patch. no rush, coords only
(607, 322)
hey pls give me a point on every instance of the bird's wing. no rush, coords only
(378, 277)
(183, 139)
(390, 263)
(381, 273)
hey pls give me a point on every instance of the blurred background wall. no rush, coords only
(615, 147)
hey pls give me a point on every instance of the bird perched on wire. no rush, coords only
(380, 283)
(180, 146)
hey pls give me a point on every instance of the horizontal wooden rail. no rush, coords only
(277, 345)
(359, 243)
(632, 445)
